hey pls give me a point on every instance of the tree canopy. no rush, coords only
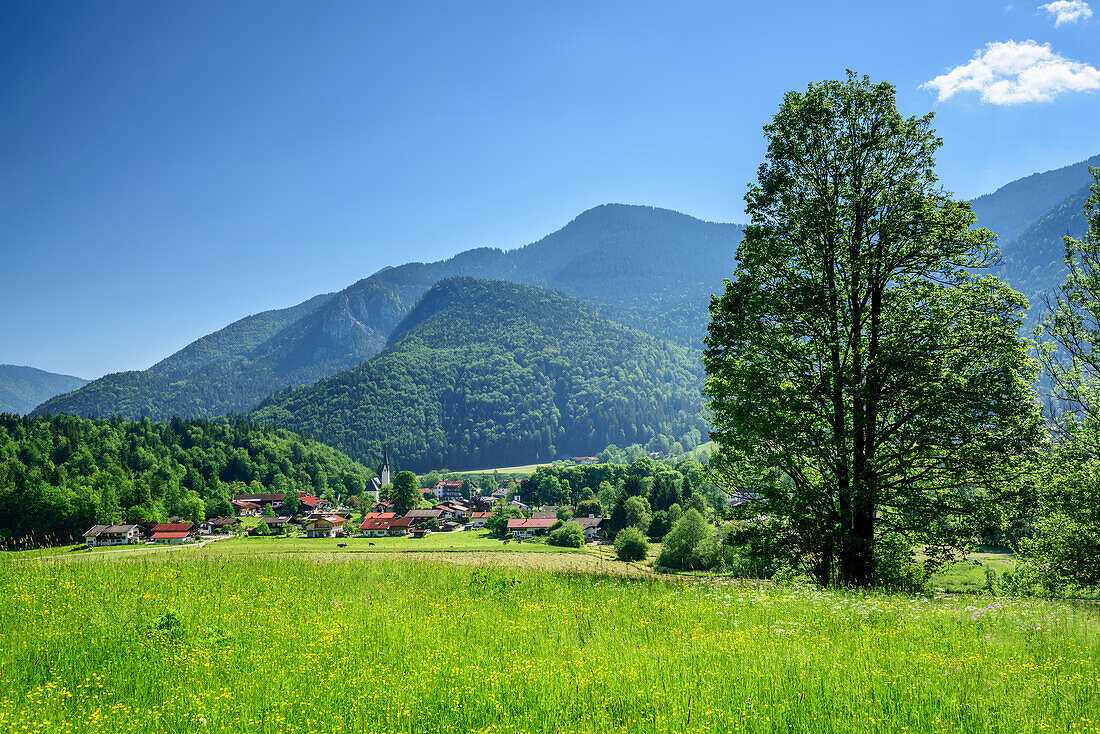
(863, 378)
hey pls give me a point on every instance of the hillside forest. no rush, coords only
(61, 475)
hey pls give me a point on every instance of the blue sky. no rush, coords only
(171, 167)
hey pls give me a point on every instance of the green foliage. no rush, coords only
(59, 476)
(292, 503)
(861, 376)
(589, 507)
(631, 545)
(690, 545)
(405, 493)
(492, 374)
(636, 513)
(569, 535)
(1063, 552)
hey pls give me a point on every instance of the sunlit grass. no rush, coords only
(192, 642)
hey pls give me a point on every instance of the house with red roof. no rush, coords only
(448, 490)
(525, 527)
(173, 527)
(241, 508)
(478, 519)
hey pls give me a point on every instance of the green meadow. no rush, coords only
(376, 642)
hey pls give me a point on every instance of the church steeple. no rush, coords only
(385, 467)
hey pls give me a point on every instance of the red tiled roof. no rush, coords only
(173, 527)
(455, 484)
(308, 499)
(530, 523)
(169, 535)
(477, 515)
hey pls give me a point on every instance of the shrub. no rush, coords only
(690, 545)
(631, 545)
(568, 535)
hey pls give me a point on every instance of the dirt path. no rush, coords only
(144, 548)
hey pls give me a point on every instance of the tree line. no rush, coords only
(61, 475)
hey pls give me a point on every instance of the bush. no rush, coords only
(631, 545)
(690, 545)
(569, 535)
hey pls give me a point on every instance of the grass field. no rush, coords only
(370, 642)
(522, 469)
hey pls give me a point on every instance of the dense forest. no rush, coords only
(651, 269)
(22, 388)
(485, 373)
(59, 476)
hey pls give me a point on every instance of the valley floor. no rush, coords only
(301, 640)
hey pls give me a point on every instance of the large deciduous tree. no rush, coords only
(405, 492)
(862, 377)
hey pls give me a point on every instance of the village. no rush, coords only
(444, 510)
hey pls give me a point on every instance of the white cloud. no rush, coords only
(1008, 72)
(1068, 11)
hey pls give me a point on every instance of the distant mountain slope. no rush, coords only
(483, 372)
(22, 388)
(652, 269)
(237, 339)
(1033, 262)
(1011, 209)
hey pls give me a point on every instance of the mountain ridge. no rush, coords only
(657, 270)
(22, 388)
(481, 370)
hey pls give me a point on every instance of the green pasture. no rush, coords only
(206, 641)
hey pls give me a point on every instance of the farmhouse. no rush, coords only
(522, 527)
(245, 509)
(113, 535)
(400, 526)
(478, 519)
(592, 526)
(377, 524)
(173, 536)
(218, 525)
(325, 527)
(585, 460)
(273, 499)
(173, 527)
(423, 517)
(275, 524)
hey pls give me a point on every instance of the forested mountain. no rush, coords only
(59, 476)
(237, 339)
(22, 388)
(1033, 262)
(652, 269)
(486, 372)
(1014, 207)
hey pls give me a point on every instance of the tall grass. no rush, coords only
(190, 643)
